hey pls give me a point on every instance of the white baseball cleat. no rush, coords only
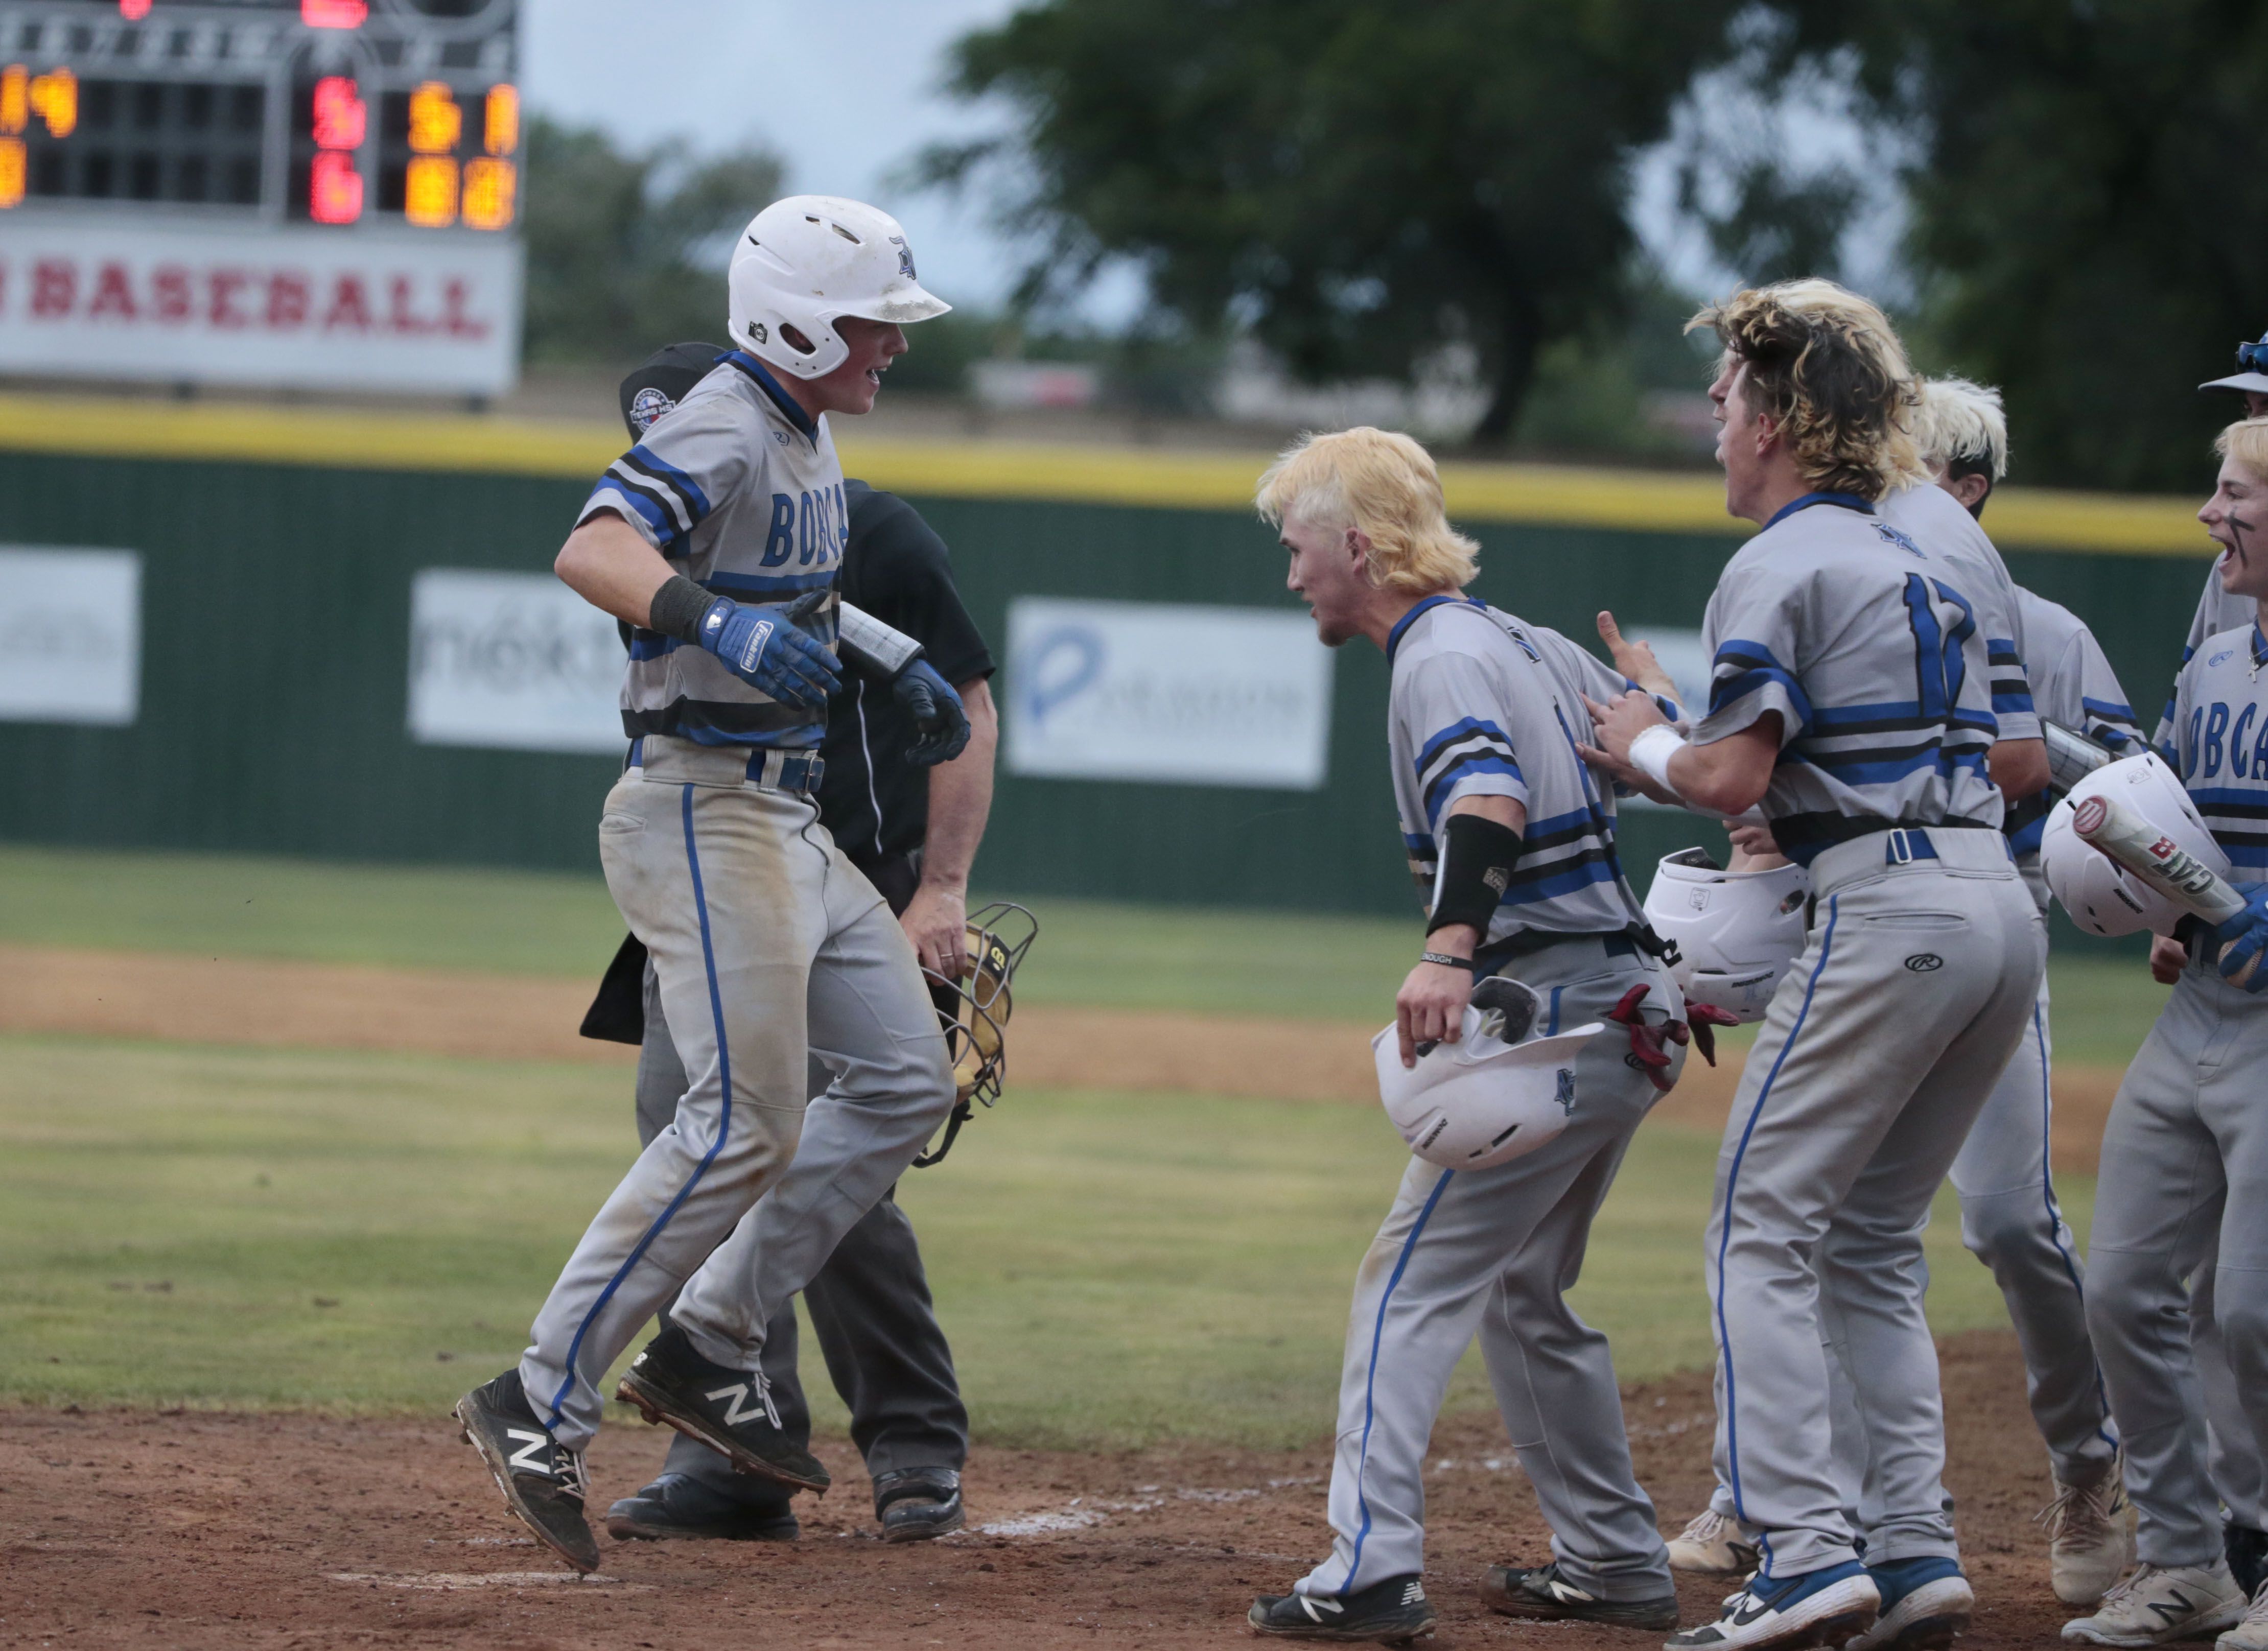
(2251, 1634)
(2090, 1536)
(2159, 1604)
(1713, 1545)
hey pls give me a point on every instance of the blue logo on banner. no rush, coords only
(1058, 666)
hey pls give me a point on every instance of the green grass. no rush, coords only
(517, 922)
(1112, 1268)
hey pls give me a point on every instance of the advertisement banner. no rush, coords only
(70, 635)
(291, 306)
(1184, 695)
(511, 661)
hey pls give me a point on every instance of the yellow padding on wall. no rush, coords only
(1633, 501)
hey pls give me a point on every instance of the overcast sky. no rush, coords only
(847, 90)
(844, 90)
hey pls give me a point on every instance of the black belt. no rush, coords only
(1638, 939)
(1800, 836)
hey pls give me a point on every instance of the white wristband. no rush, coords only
(1651, 752)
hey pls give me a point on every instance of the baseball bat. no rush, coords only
(2117, 831)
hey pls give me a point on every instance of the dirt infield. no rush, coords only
(185, 998)
(199, 1530)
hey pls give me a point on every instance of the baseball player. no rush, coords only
(2186, 1133)
(720, 537)
(2240, 1473)
(2010, 1215)
(870, 1302)
(1512, 843)
(1851, 699)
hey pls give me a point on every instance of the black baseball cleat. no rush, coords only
(1543, 1594)
(730, 1411)
(677, 1505)
(915, 1504)
(543, 1485)
(2247, 1552)
(1392, 1612)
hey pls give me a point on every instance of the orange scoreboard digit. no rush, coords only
(336, 113)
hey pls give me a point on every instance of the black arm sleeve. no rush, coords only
(1477, 857)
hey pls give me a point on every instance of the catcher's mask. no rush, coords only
(975, 1010)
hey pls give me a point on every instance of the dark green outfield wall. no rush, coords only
(276, 621)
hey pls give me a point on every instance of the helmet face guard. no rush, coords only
(973, 1011)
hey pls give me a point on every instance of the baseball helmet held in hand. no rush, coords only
(2100, 895)
(1737, 933)
(804, 262)
(1495, 1095)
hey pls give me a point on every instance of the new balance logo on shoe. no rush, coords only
(1316, 1608)
(532, 1457)
(1413, 1594)
(2174, 1606)
(739, 1410)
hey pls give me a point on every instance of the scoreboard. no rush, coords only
(331, 112)
(296, 192)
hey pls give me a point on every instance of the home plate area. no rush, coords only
(198, 1529)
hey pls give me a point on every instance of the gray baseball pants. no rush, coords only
(1921, 973)
(2186, 1157)
(869, 1303)
(770, 951)
(1493, 1253)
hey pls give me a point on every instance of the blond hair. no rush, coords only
(1383, 485)
(2246, 441)
(1963, 424)
(1827, 366)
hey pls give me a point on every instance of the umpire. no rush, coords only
(914, 832)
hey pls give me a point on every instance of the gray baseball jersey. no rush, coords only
(2072, 684)
(2217, 611)
(741, 489)
(2189, 1135)
(1484, 705)
(1867, 644)
(1933, 517)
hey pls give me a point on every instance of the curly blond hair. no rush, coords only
(1827, 365)
(1383, 484)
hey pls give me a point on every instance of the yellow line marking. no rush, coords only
(1640, 500)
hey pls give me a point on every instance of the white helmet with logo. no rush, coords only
(805, 260)
(2101, 896)
(1736, 932)
(1494, 1096)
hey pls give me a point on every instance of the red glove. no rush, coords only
(1648, 1043)
(1706, 1020)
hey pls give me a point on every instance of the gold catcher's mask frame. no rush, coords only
(973, 1011)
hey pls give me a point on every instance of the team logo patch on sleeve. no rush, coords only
(647, 408)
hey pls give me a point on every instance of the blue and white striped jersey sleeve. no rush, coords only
(2105, 717)
(667, 485)
(1451, 711)
(1752, 630)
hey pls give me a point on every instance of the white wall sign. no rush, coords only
(511, 660)
(295, 306)
(1153, 691)
(70, 635)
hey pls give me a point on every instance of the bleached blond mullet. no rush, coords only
(1826, 365)
(2246, 441)
(1383, 485)
(1963, 422)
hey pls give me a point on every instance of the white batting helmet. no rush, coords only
(805, 260)
(1736, 932)
(2101, 896)
(1491, 1097)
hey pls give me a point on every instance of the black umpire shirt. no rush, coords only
(895, 568)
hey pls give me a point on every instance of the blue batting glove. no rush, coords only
(939, 717)
(2244, 936)
(761, 645)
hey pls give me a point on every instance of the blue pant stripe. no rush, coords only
(1724, 1238)
(1369, 1381)
(2055, 1212)
(724, 1124)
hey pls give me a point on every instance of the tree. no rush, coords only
(1361, 183)
(626, 252)
(2089, 209)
